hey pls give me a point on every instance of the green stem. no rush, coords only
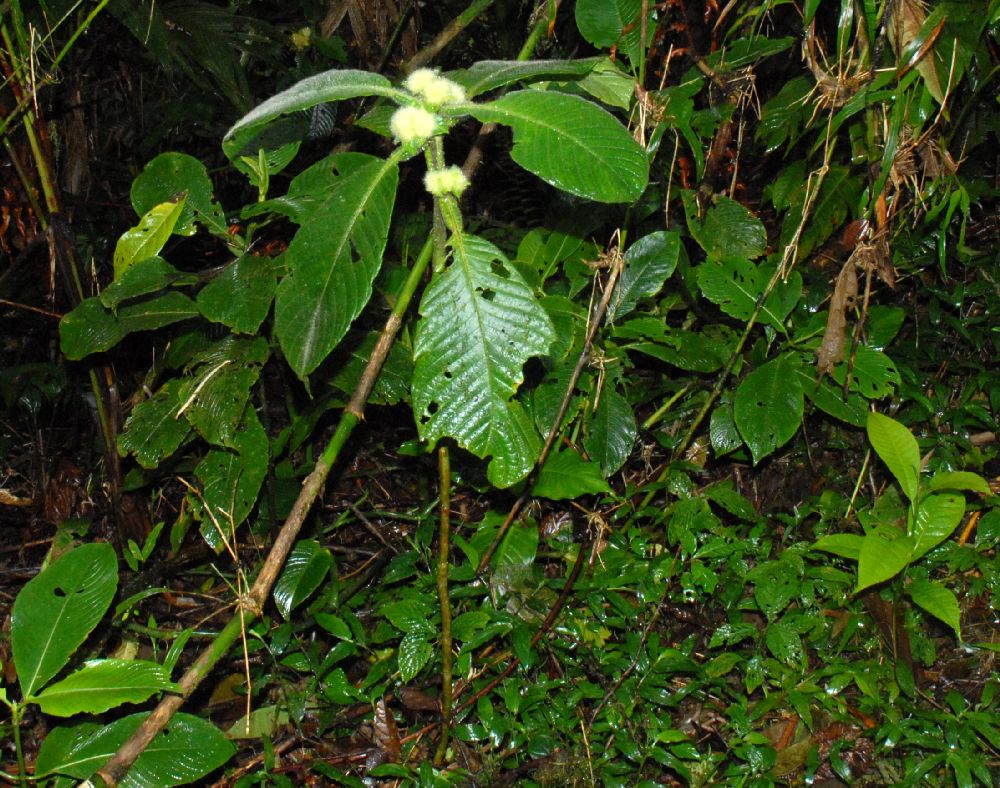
(445, 37)
(16, 715)
(444, 465)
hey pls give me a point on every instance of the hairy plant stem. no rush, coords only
(444, 541)
(251, 607)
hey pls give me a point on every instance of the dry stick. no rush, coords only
(445, 37)
(444, 465)
(596, 318)
(115, 769)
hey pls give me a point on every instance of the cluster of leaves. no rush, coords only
(690, 626)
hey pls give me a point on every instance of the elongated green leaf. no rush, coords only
(163, 310)
(57, 609)
(844, 545)
(334, 258)
(769, 405)
(171, 173)
(479, 324)
(486, 75)
(231, 480)
(612, 432)
(147, 238)
(959, 480)
(884, 554)
(103, 684)
(570, 143)
(187, 749)
(936, 519)
(937, 600)
(874, 375)
(89, 328)
(648, 263)
(240, 297)
(154, 430)
(318, 89)
(144, 277)
(898, 449)
(409, 615)
(414, 652)
(305, 569)
(566, 474)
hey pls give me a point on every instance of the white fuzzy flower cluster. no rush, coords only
(412, 125)
(434, 89)
(450, 180)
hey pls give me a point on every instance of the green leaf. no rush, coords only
(307, 93)
(556, 133)
(479, 324)
(231, 480)
(144, 277)
(89, 328)
(612, 432)
(783, 642)
(728, 229)
(147, 238)
(959, 480)
(215, 399)
(898, 449)
(154, 430)
(56, 610)
(601, 22)
(736, 284)
(936, 518)
(648, 263)
(154, 313)
(333, 260)
(845, 545)
(874, 374)
(187, 749)
(937, 600)
(566, 474)
(414, 652)
(409, 615)
(240, 297)
(170, 173)
(103, 684)
(769, 404)
(306, 567)
(884, 553)
(486, 75)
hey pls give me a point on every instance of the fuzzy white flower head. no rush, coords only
(411, 125)
(450, 180)
(433, 88)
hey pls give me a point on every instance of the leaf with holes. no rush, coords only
(479, 324)
(306, 567)
(154, 430)
(240, 297)
(570, 143)
(736, 284)
(727, 230)
(147, 238)
(57, 609)
(170, 173)
(334, 258)
(769, 405)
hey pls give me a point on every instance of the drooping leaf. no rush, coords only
(56, 610)
(155, 429)
(319, 89)
(231, 480)
(769, 405)
(648, 263)
(555, 133)
(479, 324)
(936, 518)
(885, 552)
(898, 449)
(566, 474)
(845, 291)
(144, 277)
(601, 22)
(486, 75)
(103, 684)
(171, 173)
(959, 480)
(937, 600)
(240, 297)
(728, 230)
(147, 238)
(306, 567)
(187, 749)
(333, 260)
(612, 432)
(845, 545)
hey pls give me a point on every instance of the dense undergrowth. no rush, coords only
(654, 446)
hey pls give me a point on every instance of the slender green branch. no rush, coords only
(444, 540)
(446, 36)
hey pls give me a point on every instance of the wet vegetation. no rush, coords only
(595, 393)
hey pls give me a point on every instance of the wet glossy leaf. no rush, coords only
(215, 399)
(648, 263)
(171, 173)
(103, 684)
(612, 432)
(307, 566)
(898, 449)
(144, 277)
(959, 480)
(728, 230)
(937, 600)
(936, 519)
(240, 297)
(566, 474)
(884, 554)
(769, 405)
(56, 610)
(147, 238)
(155, 429)
(414, 652)
(486, 75)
